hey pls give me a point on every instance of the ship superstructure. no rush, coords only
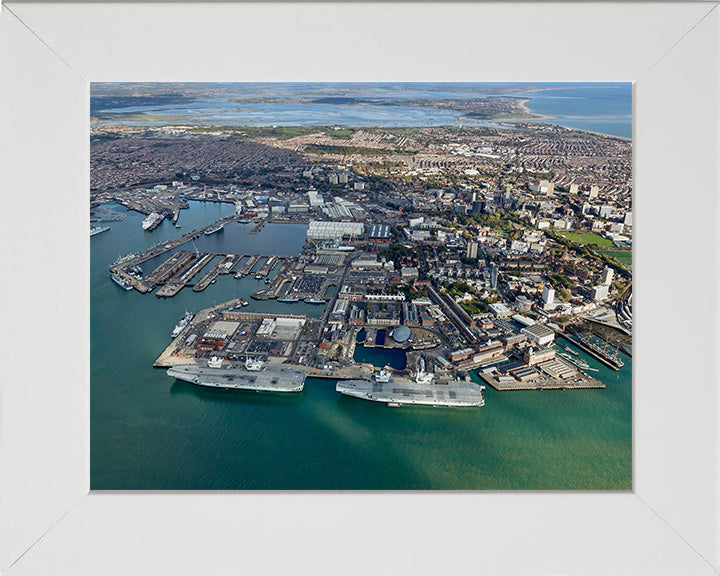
(253, 364)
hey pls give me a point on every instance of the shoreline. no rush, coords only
(523, 106)
(595, 133)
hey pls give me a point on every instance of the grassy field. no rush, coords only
(588, 239)
(623, 256)
(279, 132)
(344, 133)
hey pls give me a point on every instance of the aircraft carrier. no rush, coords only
(422, 390)
(278, 379)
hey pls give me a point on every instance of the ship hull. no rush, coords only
(99, 230)
(270, 380)
(213, 230)
(120, 282)
(456, 393)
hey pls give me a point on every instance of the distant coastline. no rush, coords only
(523, 106)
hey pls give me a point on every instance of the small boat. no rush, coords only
(289, 299)
(151, 222)
(121, 281)
(180, 326)
(314, 301)
(214, 229)
(98, 229)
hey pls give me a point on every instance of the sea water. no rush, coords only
(598, 107)
(150, 432)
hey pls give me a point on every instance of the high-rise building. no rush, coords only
(548, 297)
(594, 191)
(599, 292)
(628, 219)
(494, 269)
(472, 249)
(573, 189)
(607, 276)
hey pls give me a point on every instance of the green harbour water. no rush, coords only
(150, 432)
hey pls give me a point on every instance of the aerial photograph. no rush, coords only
(361, 286)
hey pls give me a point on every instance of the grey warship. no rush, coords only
(275, 379)
(421, 390)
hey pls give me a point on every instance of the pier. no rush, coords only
(595, 351)
(169, 290)
(578, 383)
(260, 225)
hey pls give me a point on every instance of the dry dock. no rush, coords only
(205, 281)
(265, 270)
(173, 265)
(245, 269)
(195, 268)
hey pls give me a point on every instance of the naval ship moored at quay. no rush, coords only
(421, 390)
(253, 376)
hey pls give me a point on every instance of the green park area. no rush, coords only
(587, 239)
(622, 256)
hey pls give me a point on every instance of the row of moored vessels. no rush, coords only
(311, 300)
(253, 375)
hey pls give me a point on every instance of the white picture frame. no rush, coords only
(51, 524)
